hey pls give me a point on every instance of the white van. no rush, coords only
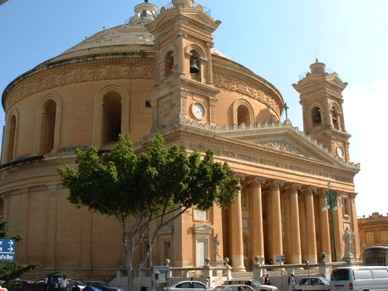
(359, 278)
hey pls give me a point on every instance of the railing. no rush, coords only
(216, 275)
(204, 9)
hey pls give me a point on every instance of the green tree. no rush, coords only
(157, 185)
(10, 269)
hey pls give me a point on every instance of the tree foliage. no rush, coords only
(10, 270)
(157, 185)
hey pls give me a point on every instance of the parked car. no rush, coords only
(313, 283)
(190, 285)
(80, 284)
(233, 287)
(359, 278)
(256, 285)
(20, 282)
(102, 286)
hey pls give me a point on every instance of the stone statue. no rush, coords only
(216, 246)
(348, 238)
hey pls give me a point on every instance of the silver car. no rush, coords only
(189, 285)
(235, 287)
(256, 285)
(313, 283)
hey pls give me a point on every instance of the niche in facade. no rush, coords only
(111, 123)
(169, 64)
(243, 115)
(48, 127)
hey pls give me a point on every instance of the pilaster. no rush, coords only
(50, 243)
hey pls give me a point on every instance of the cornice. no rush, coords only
(80, 72)
(233, 131)
(196, 137)
(252, 158)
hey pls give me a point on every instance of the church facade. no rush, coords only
(160, 73)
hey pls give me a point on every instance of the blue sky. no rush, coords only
(276, 39)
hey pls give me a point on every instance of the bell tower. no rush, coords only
(323, 117)
(183, 70)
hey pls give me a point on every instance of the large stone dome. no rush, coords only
(130, 37)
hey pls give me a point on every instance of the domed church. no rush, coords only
(160, 73)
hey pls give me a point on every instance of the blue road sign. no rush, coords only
(280, 258)
(7, 249)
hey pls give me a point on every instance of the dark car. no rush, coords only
(20, 282)
(102, 286)
(80, 284)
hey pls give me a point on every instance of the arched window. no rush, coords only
(11, 139)
(195, 65)
(243, 115)
(335, 118)
(111, 117)
(316, 115)
(169, 64)
(48, 127)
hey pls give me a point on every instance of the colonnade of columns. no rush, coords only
(282, 219)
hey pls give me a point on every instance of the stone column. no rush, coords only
(256, 232)
(325, 227)
(310, 226)
(236, 235)
(295, 227)
(276, 221)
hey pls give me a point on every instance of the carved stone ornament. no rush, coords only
(79, 73)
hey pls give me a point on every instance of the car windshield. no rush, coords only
(340, 275)
(324, 280)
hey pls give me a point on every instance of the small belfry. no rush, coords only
(323, 117)
(183, 70)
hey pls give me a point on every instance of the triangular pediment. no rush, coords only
(284, 139)
(204, 228)
(281, 139)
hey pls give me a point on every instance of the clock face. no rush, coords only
(198, 110)
(340, 152)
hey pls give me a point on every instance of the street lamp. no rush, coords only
(332, 203)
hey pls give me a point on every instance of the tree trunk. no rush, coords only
(131, 279)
